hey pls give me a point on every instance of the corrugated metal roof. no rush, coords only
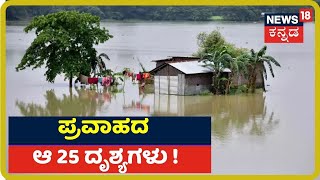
(172, 58)
(193, 67)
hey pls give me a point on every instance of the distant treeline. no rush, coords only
(156, 13)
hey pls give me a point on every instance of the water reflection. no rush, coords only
(81, 102)
(237, 114)
(247, 136)
(137, 106)
(86, 102)
(245, 114)
(240, 114)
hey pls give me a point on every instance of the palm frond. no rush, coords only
(253, 53)
(226, 57)
(264, 72)
(223, 51)
(207, 64)
(213, 58)
(235, 66)
(142, 67)
(270, 67)
(262, 51)
(273, 60)
(207, 56)
(121, 79)
(103, 64)
(104, 55)
(99, 58)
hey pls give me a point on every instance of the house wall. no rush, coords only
(197, 83)
(241, 80)
(169, 84)
(166, 81)
(191, 84)
(199, 79)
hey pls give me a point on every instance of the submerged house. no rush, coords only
(186, 76)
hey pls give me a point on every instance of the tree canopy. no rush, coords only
(219, 54)
(64, 43)
(213, 42)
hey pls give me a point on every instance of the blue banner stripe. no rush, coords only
(161, 130)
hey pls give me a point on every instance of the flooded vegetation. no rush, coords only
(259, 133)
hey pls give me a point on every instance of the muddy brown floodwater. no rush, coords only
(262, 133)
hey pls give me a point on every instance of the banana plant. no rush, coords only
(257, 59)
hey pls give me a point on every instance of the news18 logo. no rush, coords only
(286, 28)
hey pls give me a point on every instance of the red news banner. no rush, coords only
(111, 159)
(109, 145)
(286, 28)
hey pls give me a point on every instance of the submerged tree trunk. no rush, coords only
(216, 85)
(229, 83)
(263, 83)
(254, 79)
(70, 81)
(70, 93)
(213, 84)
(250, 84)
(226, 88)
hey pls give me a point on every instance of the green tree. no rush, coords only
(238, 66)
(98, 65)
(217, 63)
(257, 61)
(214, 41)
(64, 43)
(210, 43)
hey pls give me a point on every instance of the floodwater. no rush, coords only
(263, 133)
